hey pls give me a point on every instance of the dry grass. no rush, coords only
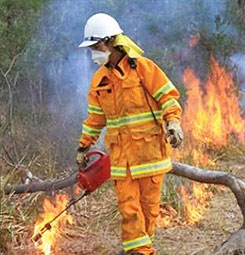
(96, 227)
(15, 213)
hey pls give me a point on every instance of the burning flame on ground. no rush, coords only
(212, 118)
(214, 115)
(194, 206)
(51, 237)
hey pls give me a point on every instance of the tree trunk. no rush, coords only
(241, 4)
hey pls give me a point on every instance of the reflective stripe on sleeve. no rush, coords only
(152, 238)
(118, 171)
(132, 119)
(168, 104)
(90, 131)
(165, 89)
(95, 109)
(137, 242)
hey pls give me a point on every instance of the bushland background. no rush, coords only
(44, 79)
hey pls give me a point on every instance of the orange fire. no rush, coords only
(213, 115)
(51, 237)
(168, 217)
(212, 118)
(196, 205)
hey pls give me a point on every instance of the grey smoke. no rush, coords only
(238, 61)
(161, 27)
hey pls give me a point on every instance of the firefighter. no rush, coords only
(137, 103)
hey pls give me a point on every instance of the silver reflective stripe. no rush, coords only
(118, 171)
(90, 131)
(132, 119)
(95, 109)
(137, 242)
(165, 89)
(143, 169)
(170, 103)
(154, 167)
(152, 238)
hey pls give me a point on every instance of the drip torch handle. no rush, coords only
(96, 152)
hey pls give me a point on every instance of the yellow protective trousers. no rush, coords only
(138, 204)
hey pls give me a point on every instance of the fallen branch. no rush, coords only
(234, 245)
(236, 185)
(41, 185)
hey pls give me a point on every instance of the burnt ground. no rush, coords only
(96, 229)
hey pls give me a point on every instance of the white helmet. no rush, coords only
(98, 27)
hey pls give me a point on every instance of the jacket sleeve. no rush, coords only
(161, 89)
(93, 125)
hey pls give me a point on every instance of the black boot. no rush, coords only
(129, 253)
(121, 253)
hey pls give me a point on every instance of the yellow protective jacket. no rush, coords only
(118, 101)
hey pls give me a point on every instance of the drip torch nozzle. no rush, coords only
(46, 227)
(37, 237)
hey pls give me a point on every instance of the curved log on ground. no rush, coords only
(234, 245)
(36, 186)
(236, 185)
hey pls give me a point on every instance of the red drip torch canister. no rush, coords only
(95, 174)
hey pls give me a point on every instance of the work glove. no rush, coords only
(81, 157)
(174, 133)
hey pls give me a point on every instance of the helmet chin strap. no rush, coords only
(115, 57)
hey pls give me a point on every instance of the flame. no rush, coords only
(51, 237)
(195, 203)
(212, 118)
(214, 114)
(195, 207)
(168, 216)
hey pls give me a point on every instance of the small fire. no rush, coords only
(196, 205)
(168, 216)
(51, 237)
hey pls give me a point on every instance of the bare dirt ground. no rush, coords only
(96, 230)
(218, 223)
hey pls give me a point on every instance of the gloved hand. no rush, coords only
(81, 157)
(175, 134)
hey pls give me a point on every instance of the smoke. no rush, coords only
(161, 27)
(238, 62)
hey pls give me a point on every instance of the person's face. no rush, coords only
(100, 46)
(100, 53)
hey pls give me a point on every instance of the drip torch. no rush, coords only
(89, 179)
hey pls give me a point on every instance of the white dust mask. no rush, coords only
(100, 57)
